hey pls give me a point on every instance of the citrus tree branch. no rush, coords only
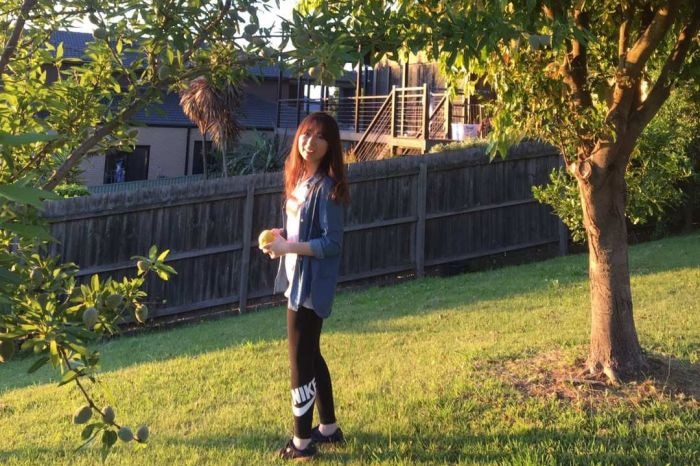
(11, 45)
(662, 88)
(650, 39)
(79, 152)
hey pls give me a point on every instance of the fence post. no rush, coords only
(245, 252)
(426, 114)
(421, 192)
(299, 90)
(448, 118)
(279, 98)
(393, 111)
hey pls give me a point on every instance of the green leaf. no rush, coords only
(25, 194)
(88, 430)
(28, 231)
(68, 377)
(168, 269)
(163, 275)
(163, 255)
(109, 438)
(95, 282)
(9, 277)
(152, 251)
(7, 139)
(38, 364)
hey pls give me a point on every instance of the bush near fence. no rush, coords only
(406, 214)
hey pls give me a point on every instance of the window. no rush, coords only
(197, 157)
(127, 166)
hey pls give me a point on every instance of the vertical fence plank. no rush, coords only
(425, 117)
(245, 253)
(421, 193)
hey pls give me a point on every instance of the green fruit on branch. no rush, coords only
(36, 276)
(164, 72)
(113, 301)
(266, 237)
(142, 434)
(108, 415)
(315, 72)
(125, 434)
(250, 29)
(82, 415)
(7, 350)
(141, 313)
(99, 33)
(90, 317)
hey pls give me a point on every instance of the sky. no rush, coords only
(266, 18)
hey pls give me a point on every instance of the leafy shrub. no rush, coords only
(264, 154)
(71, 190)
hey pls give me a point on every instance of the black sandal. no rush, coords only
(336, 438)
(291, 452)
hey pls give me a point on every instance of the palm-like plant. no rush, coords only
(215, 111)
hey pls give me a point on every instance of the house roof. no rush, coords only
(74, 44)
(255, 113)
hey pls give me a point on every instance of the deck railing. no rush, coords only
(405, 113)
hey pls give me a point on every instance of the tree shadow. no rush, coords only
(356, 311)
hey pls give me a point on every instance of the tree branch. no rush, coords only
(651, 38)
(662, 88)
(624, 35)
(578, 66)
(38, 157)
(79, 152)
(627, 87)
(225, 7)
(11, 45)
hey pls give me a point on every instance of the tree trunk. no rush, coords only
(614, 347)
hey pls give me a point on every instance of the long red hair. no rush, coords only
(331, 164)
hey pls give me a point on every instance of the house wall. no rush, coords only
(93, 169)
(166, 153)
(266, 90)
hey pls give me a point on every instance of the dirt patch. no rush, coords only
(553, 375)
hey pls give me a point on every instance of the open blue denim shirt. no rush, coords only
(321, 225)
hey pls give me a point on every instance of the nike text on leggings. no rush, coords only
(310, 379)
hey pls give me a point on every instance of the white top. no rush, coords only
(293, 211)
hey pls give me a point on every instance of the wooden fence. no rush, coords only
(407, 214)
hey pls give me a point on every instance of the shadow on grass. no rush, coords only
(360, 311)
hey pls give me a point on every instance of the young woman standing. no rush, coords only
(316, 189)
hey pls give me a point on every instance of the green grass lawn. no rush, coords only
(426, 372)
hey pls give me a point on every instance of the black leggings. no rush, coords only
(311, 381)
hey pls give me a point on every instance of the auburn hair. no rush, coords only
(332, 163)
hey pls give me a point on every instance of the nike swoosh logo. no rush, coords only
(298, 412)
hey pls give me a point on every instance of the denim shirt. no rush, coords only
(321, 225)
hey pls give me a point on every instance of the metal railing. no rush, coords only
(292, 111)
(410, 112)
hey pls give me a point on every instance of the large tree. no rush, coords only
(586, 77)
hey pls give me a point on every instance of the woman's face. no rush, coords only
(312, 145)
